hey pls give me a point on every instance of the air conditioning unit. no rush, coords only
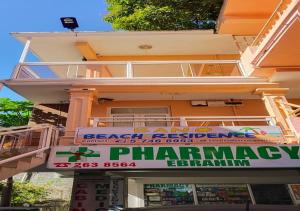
(199, 103)
(216, 103)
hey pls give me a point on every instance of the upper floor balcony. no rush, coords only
(128, 55)
(106, 70)
(160, 64)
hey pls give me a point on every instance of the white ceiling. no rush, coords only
(59, 46)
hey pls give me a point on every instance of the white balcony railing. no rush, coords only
(127, 70)
(181, 121)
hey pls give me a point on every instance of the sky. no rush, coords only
(42, 16)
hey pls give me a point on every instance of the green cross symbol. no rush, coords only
(75, 156)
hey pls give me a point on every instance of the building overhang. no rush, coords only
(55, 91)
(72, 46)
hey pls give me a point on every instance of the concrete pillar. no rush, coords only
(80, 109)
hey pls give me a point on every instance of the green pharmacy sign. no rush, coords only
(76, 155)
(172, 157)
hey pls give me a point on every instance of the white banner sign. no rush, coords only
(171, 157)
(178, 135)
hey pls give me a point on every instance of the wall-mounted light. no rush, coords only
(69, 23)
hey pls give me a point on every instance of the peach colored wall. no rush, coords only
(184, 108)
(295, 101)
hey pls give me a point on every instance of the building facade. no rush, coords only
(144, 119)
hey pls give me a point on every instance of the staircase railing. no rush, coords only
(292, 115)
(24, 141)
(281, 7)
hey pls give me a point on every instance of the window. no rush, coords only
(222, 193)
(168, 194)
(140, 117)
(271, 194)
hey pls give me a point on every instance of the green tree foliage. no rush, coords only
(14, 113)
(150, 15)
(27, 193)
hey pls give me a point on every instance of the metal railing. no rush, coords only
(291, 114)
(20, 142)
(281, 7)
(181, 121)
(133, 69)
(292, 109)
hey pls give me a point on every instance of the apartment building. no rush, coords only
(143, 119)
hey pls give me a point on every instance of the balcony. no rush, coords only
(128, 70)
(181, 121)
(262, 128)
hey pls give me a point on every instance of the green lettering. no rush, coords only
(219, 153)
(229, 163)
(189, 153)
(138, 152)
(166, 152)
(241, 162)
(293, 151)
(207, 163)
(243, 152)
(195, 163)
(182, 163)
(115, 152)
(269, 152)
(170, 162)
(220, 162)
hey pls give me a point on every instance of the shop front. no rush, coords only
(165, 166)
(217, 194)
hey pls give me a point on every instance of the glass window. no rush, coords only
(168, 194)
(296, 190)
(271, 194)
(222, 194)
(140, 117)
(123, 120)
(159, 110)
(158, 121)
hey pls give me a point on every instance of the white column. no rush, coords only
(25, 51)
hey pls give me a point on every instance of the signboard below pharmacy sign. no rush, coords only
(179, 135)
(172, 157)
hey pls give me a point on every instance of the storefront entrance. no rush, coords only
(154, 189)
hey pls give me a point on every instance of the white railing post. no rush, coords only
(271, 121)
(25, 51)
(49, 136)
(129, 71)
(43, 141)
(183, 122)
(242, 69)
(16, 71)
(95, 122)
(2, 141)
